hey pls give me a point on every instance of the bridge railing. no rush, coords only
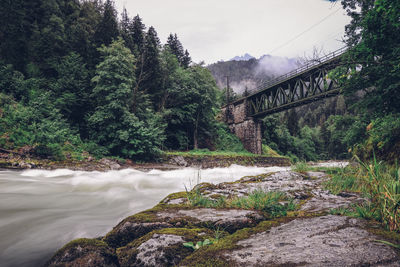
(303, 68)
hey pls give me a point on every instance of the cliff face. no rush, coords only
(280, 218)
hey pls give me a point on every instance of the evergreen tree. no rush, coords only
(176, 48)
(293, 122)
(107, 29)
(112, 124)
(137, 31)
(151, 82)
(186, 60)
(125, 30)
(72, 90)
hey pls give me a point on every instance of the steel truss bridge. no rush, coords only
(298, 87)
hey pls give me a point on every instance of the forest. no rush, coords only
(77, 79)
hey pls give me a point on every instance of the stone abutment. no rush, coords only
(247, 129)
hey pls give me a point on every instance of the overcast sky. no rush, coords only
(214, 30)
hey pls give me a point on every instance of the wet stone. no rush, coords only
(324, 201)
(127, 231)
(230, 220)
(294, 184)
(321, 241)
(84, 252)
(153, 252)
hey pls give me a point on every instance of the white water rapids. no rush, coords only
(42, 210)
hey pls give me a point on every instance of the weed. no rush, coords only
(198, 245)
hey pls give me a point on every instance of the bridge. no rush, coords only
(301, 86)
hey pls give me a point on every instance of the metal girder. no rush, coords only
(310, 85)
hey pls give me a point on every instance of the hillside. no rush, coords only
(252, 72)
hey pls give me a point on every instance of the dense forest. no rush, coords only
(76, 79)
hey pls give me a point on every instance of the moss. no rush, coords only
(376, 229)
(211, 255)
(83, 251)
(173, 196)
(128, 254)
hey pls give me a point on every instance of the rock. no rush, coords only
(135, 227)
(84, 252)
(127, 231)
(179, 160)
(321, 241)
(229, 220)
(24, 165)
(294, 184)
(161, 247)
(324, 201)
(111, 164)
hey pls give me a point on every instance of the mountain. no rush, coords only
(245, 57)
(252, 72)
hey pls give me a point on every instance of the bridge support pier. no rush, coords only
(247, 129)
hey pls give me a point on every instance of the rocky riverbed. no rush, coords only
(309, 235)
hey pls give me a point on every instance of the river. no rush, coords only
(41, 210)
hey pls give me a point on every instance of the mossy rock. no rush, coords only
(212, 255)
(161, 247)
(165, 216)
(84, 252)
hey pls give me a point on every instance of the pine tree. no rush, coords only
(112, 124)
(186, 60)
(293, 122)
(136, 29)
(107, 29)
(125, 30)
(151, 83)
(176, 48)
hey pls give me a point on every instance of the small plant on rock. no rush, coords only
(198, 245)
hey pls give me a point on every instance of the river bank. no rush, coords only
(276, 218)
(16, 161)
(41, 210)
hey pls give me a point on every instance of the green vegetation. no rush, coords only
(76, 80)
(206, 152)
(379, 183)
(275, 204)
(198, 245)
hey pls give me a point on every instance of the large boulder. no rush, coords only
(84, 253)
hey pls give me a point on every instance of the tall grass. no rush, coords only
(379, 183)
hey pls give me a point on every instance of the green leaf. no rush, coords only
(189, 245)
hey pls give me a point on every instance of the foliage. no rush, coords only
(112, 124)
(198, 245)
(206, 152)
(269, 202)
(374, 55)
(225, 140)
(382, 139)
(379, 183)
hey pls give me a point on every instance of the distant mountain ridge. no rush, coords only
(245, 57)
(247, 72)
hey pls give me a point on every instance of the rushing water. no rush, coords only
(42, 210)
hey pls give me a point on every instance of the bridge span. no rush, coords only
(301, 86)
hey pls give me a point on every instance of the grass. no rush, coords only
(267, 152)
(275, 204)
(303, 167)
(377, 182)
(206, 152)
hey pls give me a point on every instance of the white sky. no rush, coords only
(214, 30)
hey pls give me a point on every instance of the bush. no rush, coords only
(225, 140)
